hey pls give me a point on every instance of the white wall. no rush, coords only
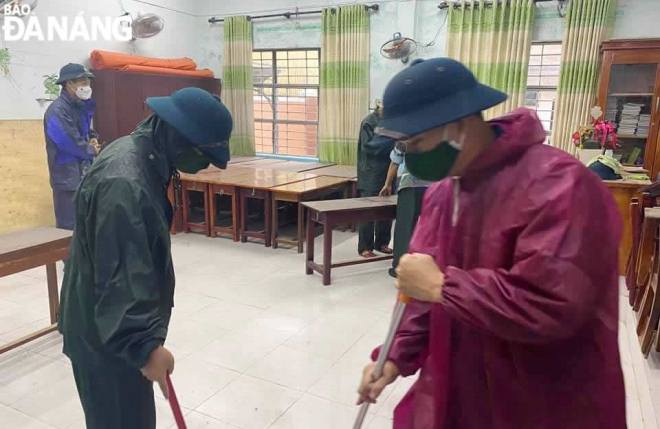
(193, 36)
(31, 60)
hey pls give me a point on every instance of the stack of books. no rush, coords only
(612, 114)
(643, 125)
(629, 118)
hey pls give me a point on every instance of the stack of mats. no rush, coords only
(102, 60)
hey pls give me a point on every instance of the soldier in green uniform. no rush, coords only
(118, 286)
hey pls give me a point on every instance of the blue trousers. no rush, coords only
(65, 210)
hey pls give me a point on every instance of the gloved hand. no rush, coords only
(160, 363)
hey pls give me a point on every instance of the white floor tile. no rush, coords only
(290, 368)
(237, 352)
(195, 420)
(195, 381)
(250, 403)
(312, 412)
(10, 418)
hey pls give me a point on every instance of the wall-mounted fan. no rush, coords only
(399, 48)
(17, 5)
(147, 25)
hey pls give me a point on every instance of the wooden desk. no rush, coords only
(306, 190)
(333, 212)
(623, 191)
(648, 307)
(24, 250)
(220, 185)
(346, 171)
(257, 185)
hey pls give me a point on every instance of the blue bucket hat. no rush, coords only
(432, 93)
(73, 71)
(201, 118)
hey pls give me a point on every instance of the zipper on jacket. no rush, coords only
(456, 182)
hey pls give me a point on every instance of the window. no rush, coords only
(542, 81)
(286, 101)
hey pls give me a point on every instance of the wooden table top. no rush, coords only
(351, 204)
(347, 171)
(299, 166)
(262, 162)
(240, 159)
(20, 244)
(309, 185)
(626, 183)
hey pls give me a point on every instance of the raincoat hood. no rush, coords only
(517, 132)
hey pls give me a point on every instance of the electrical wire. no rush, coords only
(437, 34)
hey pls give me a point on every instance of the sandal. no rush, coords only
(368, 254)
(386, 250)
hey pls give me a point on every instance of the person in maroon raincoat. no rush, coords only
(512, 267)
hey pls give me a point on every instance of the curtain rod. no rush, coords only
(446, 4)
(289, 15)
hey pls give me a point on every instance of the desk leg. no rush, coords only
(309, 259)
(327, 252)
(275, 222)
(53, 293)
(243, 223)
(235, 211)
(354, 194)
(268, 221)
(213, 210)
(301, 230)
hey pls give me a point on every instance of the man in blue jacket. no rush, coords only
(71, 143)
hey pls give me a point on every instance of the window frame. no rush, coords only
(274, 86)
(539, 87)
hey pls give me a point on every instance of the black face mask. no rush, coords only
(435, 164)
(191, 160)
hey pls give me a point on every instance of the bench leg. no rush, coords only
(301, 230)
(53, 293)
(327, 252)
(309, 258)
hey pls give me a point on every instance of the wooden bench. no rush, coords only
(24, 250)
(334, 212)
(306, 190)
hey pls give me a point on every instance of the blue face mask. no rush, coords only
(435, 164)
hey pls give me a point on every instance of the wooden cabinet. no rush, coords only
(629, 94)
(120, 97)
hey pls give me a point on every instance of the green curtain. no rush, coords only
(237, 83)
(494, 41)
(588, 23)
(344, 82)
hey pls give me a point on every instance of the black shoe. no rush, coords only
(392, 272)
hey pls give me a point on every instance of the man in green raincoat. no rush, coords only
(118, 286)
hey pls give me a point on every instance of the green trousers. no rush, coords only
(408, 207)
(115, 397)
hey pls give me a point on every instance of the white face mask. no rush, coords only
(84, 92)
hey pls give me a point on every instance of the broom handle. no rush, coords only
(174, 404)
(397, 315)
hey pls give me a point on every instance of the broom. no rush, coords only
(397, 315)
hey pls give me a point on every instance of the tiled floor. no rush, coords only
(257, 344)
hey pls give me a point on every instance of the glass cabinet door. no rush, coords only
(629, 106)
